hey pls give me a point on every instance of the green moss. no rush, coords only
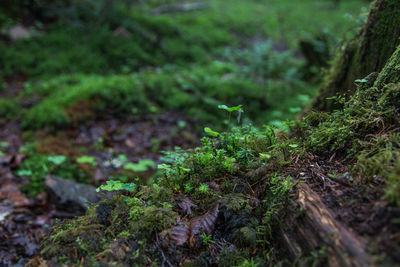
(196, 92)
(37, 166)
(363, 129)
(9, 108)
(148, 213)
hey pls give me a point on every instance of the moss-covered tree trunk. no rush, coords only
(366, 53)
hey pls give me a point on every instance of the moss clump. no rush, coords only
(9, 108)
(195, 92)
(366, 129)
(215, 173)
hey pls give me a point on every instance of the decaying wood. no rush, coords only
(314, 227)
(178, 8)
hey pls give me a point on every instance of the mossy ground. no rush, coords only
(78, 69)
(246, 171)
(365, 131)
(218, 172)
(136, 67)
(69, 57)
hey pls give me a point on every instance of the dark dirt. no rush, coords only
(359, 207)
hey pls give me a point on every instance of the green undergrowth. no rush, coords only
(125, 61)
(137, 228)
(36, 167)
(196, 92)
(222, 203)
(365, 131)
(125, 40)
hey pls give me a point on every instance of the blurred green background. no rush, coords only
(150, 56)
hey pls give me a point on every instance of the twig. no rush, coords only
(163, 255)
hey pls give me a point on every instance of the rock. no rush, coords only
(69, 195)
(18, 32)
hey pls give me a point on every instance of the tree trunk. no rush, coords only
(366, 53)
(315, 227)
(311, 226)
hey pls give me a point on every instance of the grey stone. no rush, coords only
(19, 32)
(69, 195)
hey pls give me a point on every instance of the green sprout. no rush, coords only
(211, 132)
(87, 160)
(203, 188)
(115, 185)
(207, 239)
(142, 166)
(232, 109)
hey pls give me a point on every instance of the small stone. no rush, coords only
(69, 195)
(18, 32)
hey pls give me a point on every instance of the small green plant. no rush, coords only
(209, 131)
(238, 109)
(203, 188)
(142, 166)
(116, 185)
(87, 160)
(207, 239)
(57, 159)
(37, 167)
(248, 263)
(3, 144)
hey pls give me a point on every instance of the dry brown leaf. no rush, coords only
(198, 225)
(205, 223)
(180, 234)
(215, 186)
(186, 205)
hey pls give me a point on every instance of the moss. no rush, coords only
(367, 52)
(37, 166)
(9, 108)
(365, 130)
(148, 213)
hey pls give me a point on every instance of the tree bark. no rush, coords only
(366, 53)
(314, 227)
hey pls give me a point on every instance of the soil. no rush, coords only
(361, 208)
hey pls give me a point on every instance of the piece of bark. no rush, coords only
(315, 227)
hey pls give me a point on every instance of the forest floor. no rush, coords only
(25, 219)
(63, 115)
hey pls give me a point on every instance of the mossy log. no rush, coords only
(314, 227)
(366, 53)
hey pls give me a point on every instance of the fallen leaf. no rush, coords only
(186, 205)
(180, 234)
(215, 186)
(203, 224)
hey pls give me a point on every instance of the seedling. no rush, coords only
(207, 239)
(232, 109)
(142, 166)
(87, 160)
(203, 188)
(115, 185)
